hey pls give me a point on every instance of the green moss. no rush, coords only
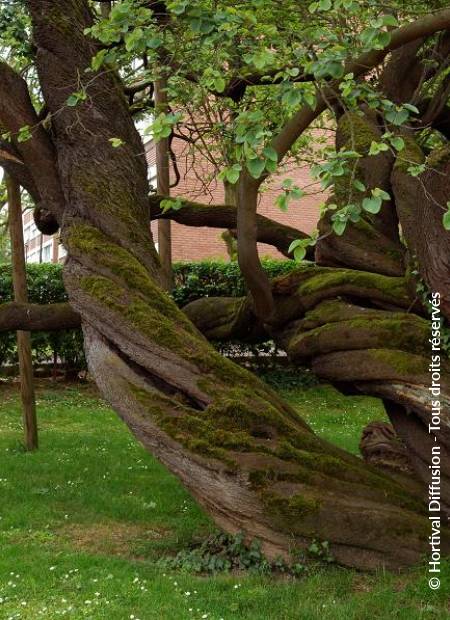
(410, 155)
(438, 157)
(112, 196)
(404, 364)
(402, 331)
(358, 132)
(291, 509)
(393, 288)
(85, 240)
(316, 462)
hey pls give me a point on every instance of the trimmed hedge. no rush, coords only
(213, 278)
(45, 285)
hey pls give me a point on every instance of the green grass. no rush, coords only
(84, 519)
(336, 417)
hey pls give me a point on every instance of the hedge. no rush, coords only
(213, 278)
(45, 285)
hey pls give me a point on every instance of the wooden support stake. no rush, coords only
(163, 188)
(21, 296)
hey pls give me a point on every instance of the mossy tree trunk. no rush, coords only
(248, 458)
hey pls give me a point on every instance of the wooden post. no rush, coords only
(21, 296)
(163, 188)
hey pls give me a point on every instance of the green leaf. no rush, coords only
(291, 97)
(271, 166)
(446, 217)
(24, 134)
(98, 59)
(416, 169)
(232, 174)
(359, 185)
(168, 204)
(397, 116)
(256, 167)
(133, 40)
(398, 143)
(178, 7)
(383, 39)
(75, 98)
(72, 101)
(298, 248)
(270, 153)
(380, 193)
(377, 147)
(372, 205)
(116, 142)
(389, 20)
(335, 68)
(299, 253)
(339, 227)
(297, 193)
(154, 42)
(282, 203)
(411, 108)
(219, 84)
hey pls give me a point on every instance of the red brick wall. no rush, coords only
(189, 243)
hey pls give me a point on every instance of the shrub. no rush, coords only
(213, 278)
(223, 553)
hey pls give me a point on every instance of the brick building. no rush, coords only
(189, 243)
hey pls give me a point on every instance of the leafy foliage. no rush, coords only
(217, 279)
(224, 553)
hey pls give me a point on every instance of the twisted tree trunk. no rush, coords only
(248, 458)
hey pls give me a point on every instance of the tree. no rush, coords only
(249, 459)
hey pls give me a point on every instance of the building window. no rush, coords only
(47, 253)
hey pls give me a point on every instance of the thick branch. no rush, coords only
(37, 317)
(12, 162)
(37, 153)
(225, 216)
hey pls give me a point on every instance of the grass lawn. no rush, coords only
(84, 519)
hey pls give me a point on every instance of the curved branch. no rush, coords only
(37, 153)
(225, 216)
(37, 317)
(12, 162)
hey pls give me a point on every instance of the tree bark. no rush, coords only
(327, 317)
(248, 458)
(421, 203)
(163, 187)
(37, 317)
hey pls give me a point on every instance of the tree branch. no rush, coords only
(225, 216)
(37, 317)
(303, 118)
(37, 153)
